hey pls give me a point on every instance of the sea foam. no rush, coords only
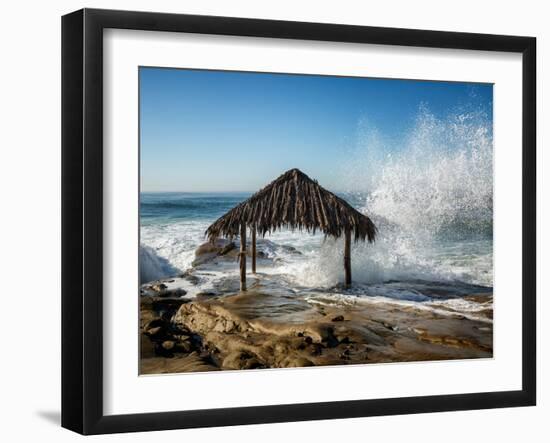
(431, 198)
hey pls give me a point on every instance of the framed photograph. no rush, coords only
(268, 221)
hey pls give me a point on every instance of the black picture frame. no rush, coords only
(82, 218)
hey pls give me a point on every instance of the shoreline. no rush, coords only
(256, 330)
(201, 321)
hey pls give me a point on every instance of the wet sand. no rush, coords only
(257, 330)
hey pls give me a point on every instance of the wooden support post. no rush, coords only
(347, 257)
(242, 257)
(253, 229)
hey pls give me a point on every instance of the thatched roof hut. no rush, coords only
(293, 201)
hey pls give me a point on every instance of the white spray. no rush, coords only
(435, 187)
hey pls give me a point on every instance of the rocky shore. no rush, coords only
(268, 328)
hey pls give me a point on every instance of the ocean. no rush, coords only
(431, 199)
(397, 266)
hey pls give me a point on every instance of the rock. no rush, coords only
(388, 326)
(233, 360)
(168, 345)
(167, 306)
(345, 355)
(204, 258)
(315, 349)
(229, 247)
(146, 302)
(229, 325)
(181, 337)
(211, 249)
(296, 362)
(152, 332)
(147, 349)
(234, 332)
(155, 328)
(161, 351)
(154, 323)
(208, 248)
(241, 360)
(185, 346)
(159, 287)
(291, 249)
(329, 338)
(178, 292)
(190, 277)
(229, 250)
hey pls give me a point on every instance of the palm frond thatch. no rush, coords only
(294, 201)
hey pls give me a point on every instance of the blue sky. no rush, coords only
(212, 131)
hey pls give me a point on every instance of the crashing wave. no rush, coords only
(152, 266)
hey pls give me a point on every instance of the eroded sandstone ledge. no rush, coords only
(256, 330)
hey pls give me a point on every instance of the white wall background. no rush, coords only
(30, 217)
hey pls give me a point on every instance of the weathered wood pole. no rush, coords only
(242, 257)
(253, 229)
(347, 258)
